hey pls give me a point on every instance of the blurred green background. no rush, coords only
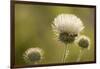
(33, 29)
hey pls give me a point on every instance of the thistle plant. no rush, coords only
(67, 27)
(84, 44)
(33, 55)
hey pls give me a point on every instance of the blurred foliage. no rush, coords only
(33, 29)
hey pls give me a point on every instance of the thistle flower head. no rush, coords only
(84, 42)
(68, 26)
(33, 55)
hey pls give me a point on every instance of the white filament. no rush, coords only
(67, 23)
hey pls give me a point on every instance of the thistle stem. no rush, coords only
(66, 51)
(80, 55)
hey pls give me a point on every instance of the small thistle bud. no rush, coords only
(33, 55)
(84, 42)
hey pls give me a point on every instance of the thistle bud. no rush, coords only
(84, 42)
(33, 55)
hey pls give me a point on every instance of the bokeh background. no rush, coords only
(33, 29)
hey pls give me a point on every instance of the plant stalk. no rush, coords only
(80, 55)
(66, 52)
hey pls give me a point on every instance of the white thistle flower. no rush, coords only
(67, 27)
(67, 23)
(33, 55)
(84, 42)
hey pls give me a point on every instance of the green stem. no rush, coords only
(80, 55)
(64, 55)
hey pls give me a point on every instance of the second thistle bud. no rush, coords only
(84, 42)
(33, 55)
